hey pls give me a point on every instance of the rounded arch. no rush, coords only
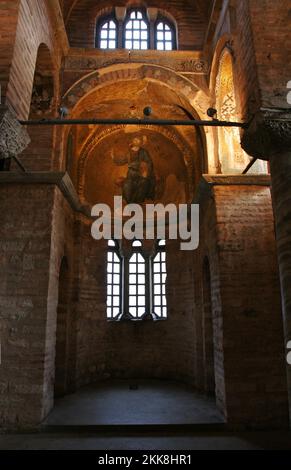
(38, 156)
(80, 95)
(231, 157)
(125, 71)
(106, 22)
(225, 42)
(168, 16)
(168, 26)
(96, 138)
(43, 96)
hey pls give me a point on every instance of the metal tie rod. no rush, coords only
(133, 122)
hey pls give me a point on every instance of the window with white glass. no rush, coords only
(136, 282)
(108, 35)
(164, 36)
(159, 278)
(114, 281)
(136, 31)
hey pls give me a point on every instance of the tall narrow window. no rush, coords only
(159, 277)
(137, 282)
(114, 281)
(164, 37)
(136, 31)
(108, 35)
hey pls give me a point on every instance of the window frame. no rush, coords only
(124, 282)
(115, 250)
(158, 249)
(99, 26)
(124, 28)
(138, 250)
(173, 29)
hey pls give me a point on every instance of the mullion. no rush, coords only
(136, 292)
(113, 263)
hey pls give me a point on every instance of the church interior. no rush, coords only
(136, 341)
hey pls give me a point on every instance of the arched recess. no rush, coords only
(65, 355)
(230, 157)
(38, 156)
(177, 145)
(75, 95)
(207, 328)
(87, 98)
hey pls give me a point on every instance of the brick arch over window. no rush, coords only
(79, 95)
(79, 91)
(80, 18)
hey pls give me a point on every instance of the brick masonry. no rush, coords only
(39, 229)
(246, 309)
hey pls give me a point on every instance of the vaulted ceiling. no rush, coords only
(202, 7)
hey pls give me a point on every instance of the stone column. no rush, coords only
(120, 14)
(152, 14)
(269, 138)
(14, 138)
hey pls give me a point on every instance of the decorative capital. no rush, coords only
(14, 137)
(120, 13)
(269, 133)
(152, 14)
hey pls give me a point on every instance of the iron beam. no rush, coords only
(133, 122)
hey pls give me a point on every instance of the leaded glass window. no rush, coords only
(114, 281)
(136, 31)
(159, 277)
(108, 35)
(164, 37)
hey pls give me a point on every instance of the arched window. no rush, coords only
(108, 35)
(137, 282)
(165, 37)
(136, 31)
(159, 277)
(114, 281)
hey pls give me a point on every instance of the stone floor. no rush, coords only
(156, 415)
(195, 441)
(153, 402)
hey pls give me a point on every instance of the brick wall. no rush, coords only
(33, 28)
(25, 238)
(36, 232)
(271, 23)
(8, 24)
(81, 24)
(249, 308)
(133, 349)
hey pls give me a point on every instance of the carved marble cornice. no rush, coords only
(14, 137)
(269, 133)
